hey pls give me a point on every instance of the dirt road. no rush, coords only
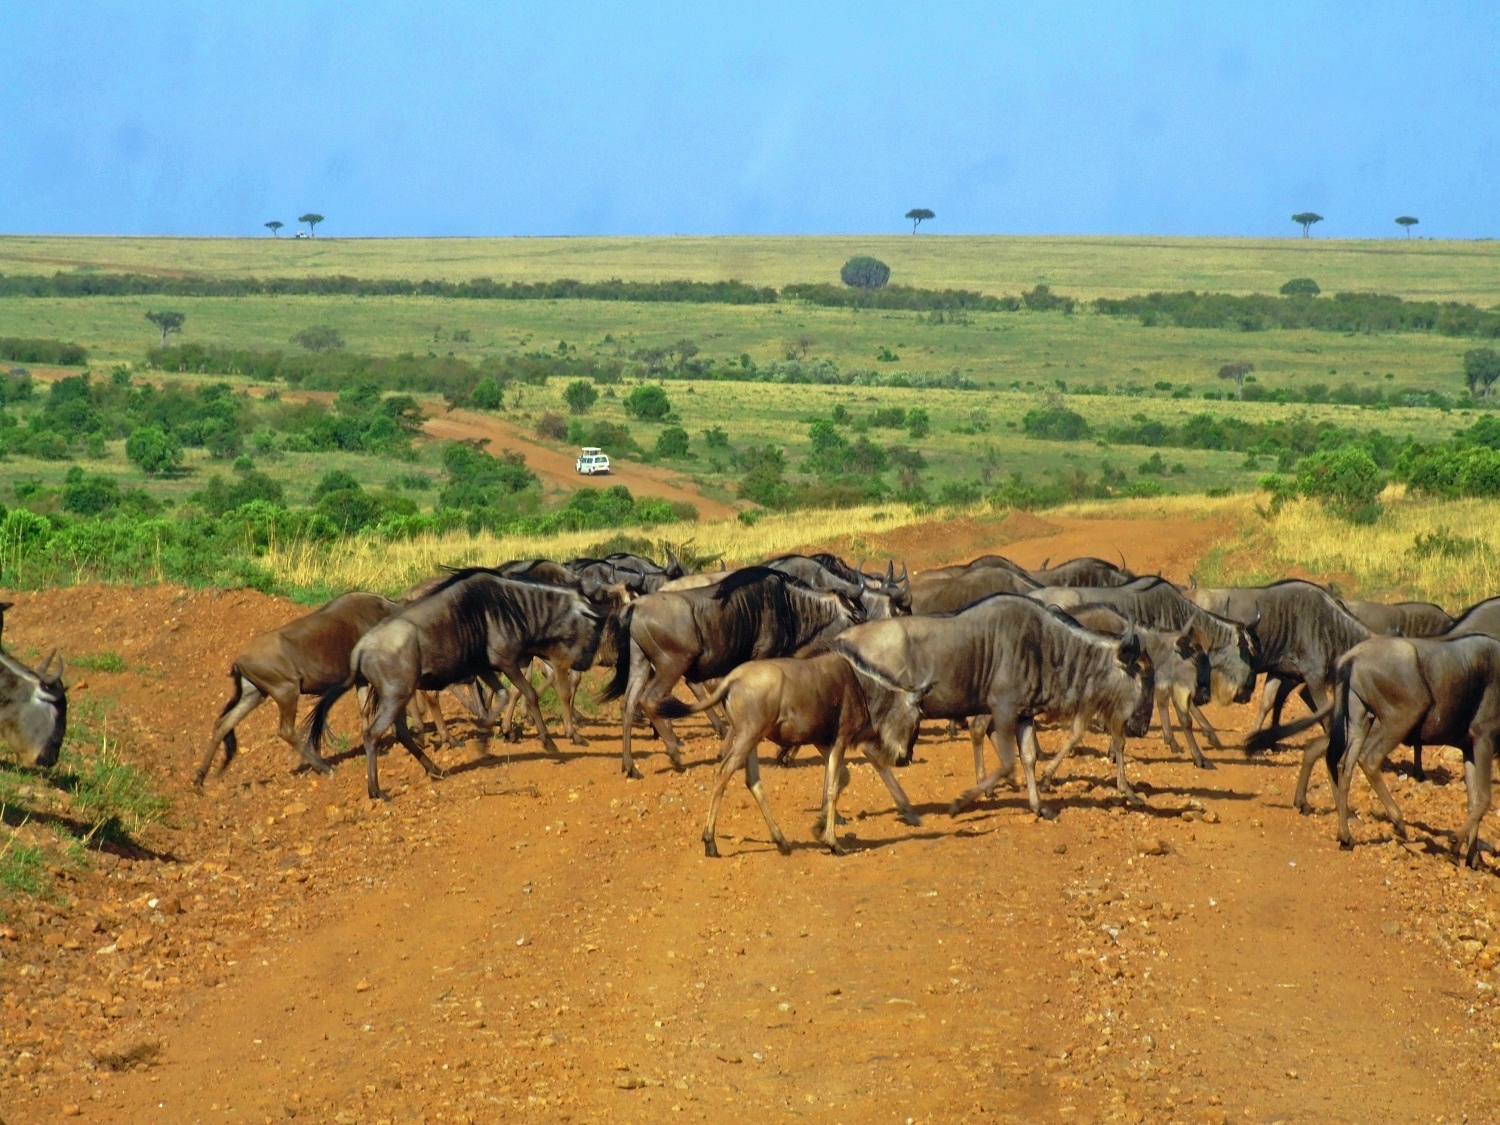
(556, 469)
(537, 938)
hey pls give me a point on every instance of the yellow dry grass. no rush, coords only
(370, 564)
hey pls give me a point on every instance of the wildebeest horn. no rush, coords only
(672, 559)
(1045, 562)
(1192, 581)
(1256, 621)
(890, 572)
(45, 671)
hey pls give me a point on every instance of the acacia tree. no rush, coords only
(312, 219)
(918, 215)
(274, 226)
(1237, 372)
(1481, 369)
(1307, 219)
(1407, 221)
(167, 321)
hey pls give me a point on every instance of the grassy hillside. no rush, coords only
(1085, 266)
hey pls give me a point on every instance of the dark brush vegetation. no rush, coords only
(1344, 312)
(19, 350)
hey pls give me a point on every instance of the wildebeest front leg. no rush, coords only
(979, 727)
(1310, 756)
(1165, 720)
(1117, 752)
(1478, 775)
(1196, 713)
(737, 746)
(752, 783)
(1075, 736)
(1187, 732)
(247, 698)
(563, 678)
(533, 705)
(835, 778)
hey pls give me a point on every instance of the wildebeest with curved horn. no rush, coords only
(877, 597)
(33, 709)
(303, 657)
(943, 592)
(702, 634)
(1014, 659)
(1082, 572)
(474, 624)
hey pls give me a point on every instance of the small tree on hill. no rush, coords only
(167, 321)
(1301, 287)
(918, 216)
(274, 226)
(648, 402)
(319, 338)
(154, 450)
(1237, 372)
(864, 272)
(580, 396)
(312, 219)
(1406, 222)
(1307, 219)
(1481, 369)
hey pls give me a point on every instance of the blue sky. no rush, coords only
(719, 118)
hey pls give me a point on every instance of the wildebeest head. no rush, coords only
(895, 710)
(1132, 655)
(33, 709)
(1233, 658)
(1190, 650)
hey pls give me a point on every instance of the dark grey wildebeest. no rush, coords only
(1390, 690)
(1157, 604)
(699, 635)
(476, 624)
(1012, 659)
(303, 657)
(877, 597)
(829, 700)
(33, 709)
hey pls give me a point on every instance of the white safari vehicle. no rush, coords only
(592, 460)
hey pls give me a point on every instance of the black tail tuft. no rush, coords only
(317, 721)
(621, 625)
(1268, 738)
(671, 708)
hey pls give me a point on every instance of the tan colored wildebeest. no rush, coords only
(33, 709)
(303, 657)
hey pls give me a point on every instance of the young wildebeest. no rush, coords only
(33, 709)
(303, 657)
(1391, 690)
(1015, 660)
(474, 624)
(827, 700)
(700, 635)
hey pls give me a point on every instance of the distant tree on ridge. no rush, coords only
(1307, 219)
(918, 215)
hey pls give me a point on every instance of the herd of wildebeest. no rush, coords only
(807, 649)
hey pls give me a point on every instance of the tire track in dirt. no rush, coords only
(537, 936)
(556, 468)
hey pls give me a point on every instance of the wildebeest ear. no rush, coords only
(1130, 646)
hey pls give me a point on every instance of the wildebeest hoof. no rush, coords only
(1399, 830)
(1305, 810)
(783, 846)
(1045, 813)
(840, 818)
(579, 740)
(632, 773)
(1207, 765)
(551, 747)
(955, 808)
(837, 848)
(711, 849)
(1346, 845)
(912, 819)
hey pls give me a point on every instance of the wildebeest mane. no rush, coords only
(749, 576)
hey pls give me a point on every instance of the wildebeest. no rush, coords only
(639, 574)
(1157, 604)
(1082, 572)
(1012, 658)
(829, 700)
(1480, 618)
(699, 635)
(941, 592)
(303, 657)
(1390, 690)
(33, 709)
(475, 623)
(877, 597)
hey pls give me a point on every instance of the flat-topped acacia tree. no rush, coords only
(1307, 219)
(312, 219)
(1406, 222)
(919, 215)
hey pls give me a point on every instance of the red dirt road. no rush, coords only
(540, 939)
(557, 470)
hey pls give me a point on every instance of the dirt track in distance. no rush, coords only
(540, 939)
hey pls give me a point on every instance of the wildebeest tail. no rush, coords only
(231, 743)
(672, 708)
(1338, 729)
(1266, 739)
(317, 721)
(621, 625)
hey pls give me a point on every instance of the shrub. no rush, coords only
(1056, 423)
(1301, 287)
(553, 426)
(319, 338)
(672, 442)
(1346, 479)
(648, 402)
(918, 423)
(153, 450)
(580, 395)
(715, 438)
(487, 395)
(863, 272)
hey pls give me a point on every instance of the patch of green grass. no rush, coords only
(23, 867)
(100, 662)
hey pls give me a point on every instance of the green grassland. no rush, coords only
(1084, 266)
(1017, 359)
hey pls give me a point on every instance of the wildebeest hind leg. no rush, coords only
(1075, 736)
(563, 678)
(246, 698)
(1196, 713)
(736, 746)
(1310, 758)
(414, 748)
(533, 705)
(286, 699)
(752, 782)
(1187, 732)
(1478, 774)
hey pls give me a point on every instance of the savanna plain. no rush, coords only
(536, 937)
